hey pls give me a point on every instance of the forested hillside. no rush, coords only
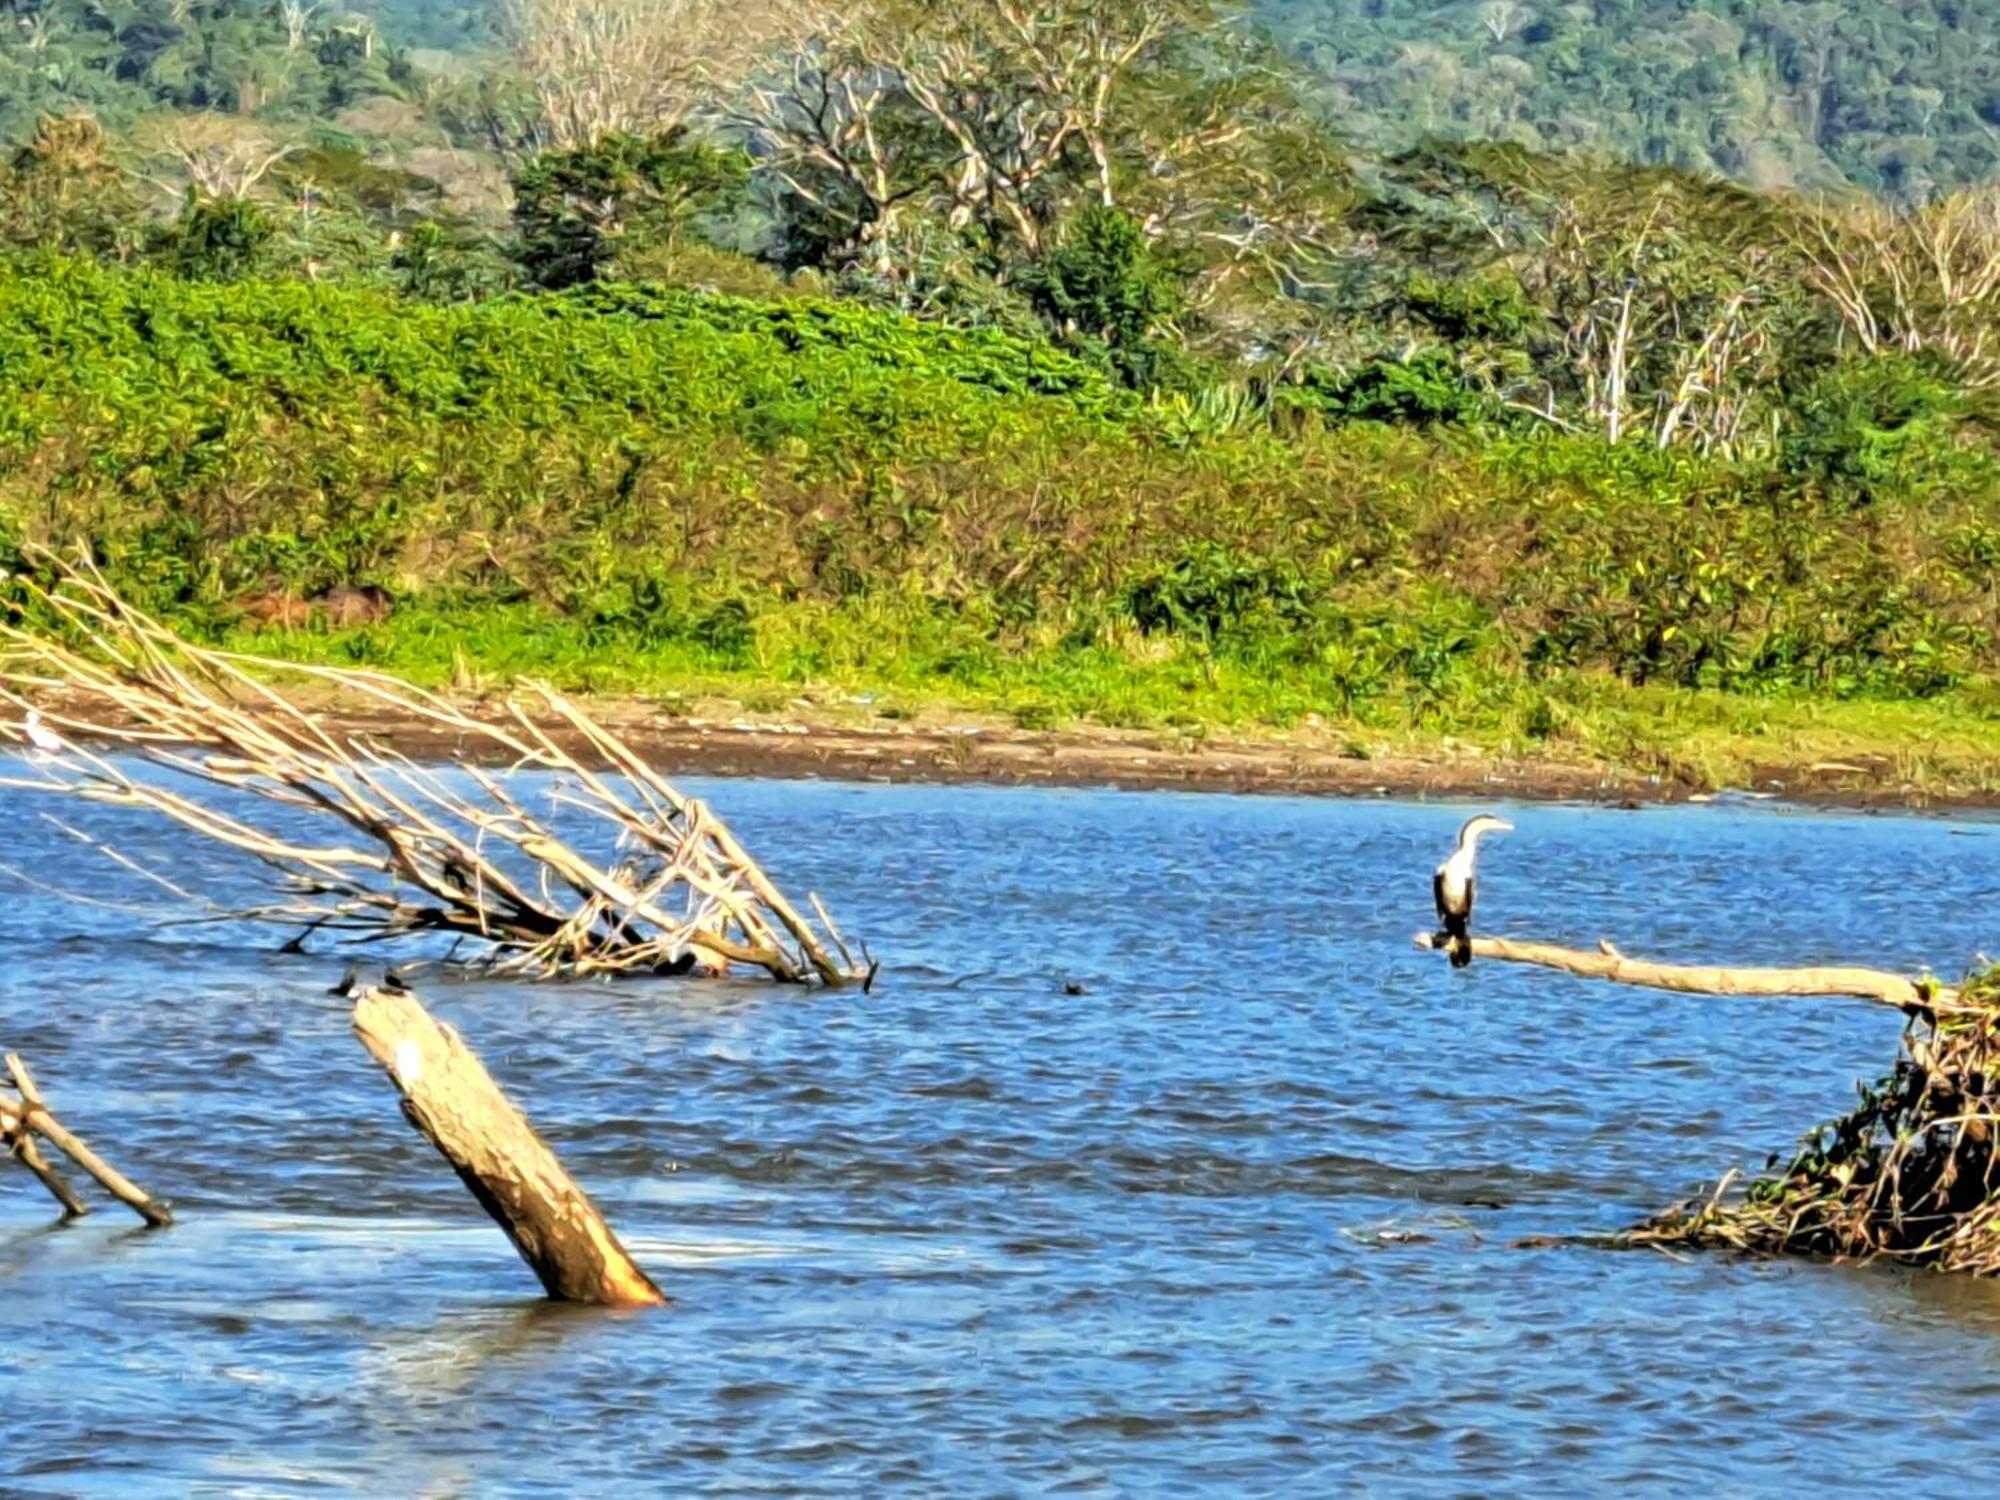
(1897, 96)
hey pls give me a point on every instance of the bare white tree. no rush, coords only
(1502, 18)
(297, 15)
(220, 156)
(1016, 84)
(1660, 340)
(820, 121)
(599, 66)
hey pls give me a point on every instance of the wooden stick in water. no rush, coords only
(451, 1098)
(14, 1133)
(35, 1116)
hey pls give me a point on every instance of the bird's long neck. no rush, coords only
(1466, 855)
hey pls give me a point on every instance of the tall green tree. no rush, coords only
(575, 210)
(61, 191)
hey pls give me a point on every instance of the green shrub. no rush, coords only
(576, 210)
(1108, 282)
(633, 484)
(1211, 592)
(1870, 426)
(1471, 309)
(217, 239)
(1422, 391)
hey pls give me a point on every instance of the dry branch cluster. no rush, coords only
(1909, 1174)
(354, 837)
(599, 66)
(1923, 281)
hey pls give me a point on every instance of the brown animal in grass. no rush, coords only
(274, 608)
(342, 606)
(346, 605)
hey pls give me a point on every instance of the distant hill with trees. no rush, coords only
(1900, 97)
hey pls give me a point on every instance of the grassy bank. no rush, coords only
(651, 491)
(1944, 748)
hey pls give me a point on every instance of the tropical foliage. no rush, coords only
(1014, 350)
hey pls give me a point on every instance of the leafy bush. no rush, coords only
(217, 239)
(1471, 308)
(1212, 592)
(576, 210)
(1108, 282)
(1868, 426)
(1422, 391)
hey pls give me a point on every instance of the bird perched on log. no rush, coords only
(1453, 884)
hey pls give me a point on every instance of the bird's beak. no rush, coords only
(1501, 825)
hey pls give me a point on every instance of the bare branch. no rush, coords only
(375, 843)
(640, 66)
(1608, 963)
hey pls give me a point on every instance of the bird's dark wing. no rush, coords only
(1471, 895)
(1437, 893)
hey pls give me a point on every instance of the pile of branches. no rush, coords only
(355, 837)
(1910, 1174)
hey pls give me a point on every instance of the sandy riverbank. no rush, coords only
(969, 749)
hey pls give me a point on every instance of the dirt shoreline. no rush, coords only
(994, 753)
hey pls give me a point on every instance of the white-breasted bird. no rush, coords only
(1453, 885)
(41, 736)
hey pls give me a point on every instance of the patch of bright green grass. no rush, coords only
(898, 667)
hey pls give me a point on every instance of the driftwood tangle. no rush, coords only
(451, 1098)
(26, 1115)
(600, 866)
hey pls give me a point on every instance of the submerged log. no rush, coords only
(451, 1098)
(31, 1113)
(14, 1135)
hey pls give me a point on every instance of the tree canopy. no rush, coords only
(1900, 98)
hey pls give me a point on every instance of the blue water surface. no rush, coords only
(1234, 1219)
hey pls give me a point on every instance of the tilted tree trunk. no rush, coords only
(449, 1096)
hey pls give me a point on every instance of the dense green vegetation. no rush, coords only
(887, 359)
(640, 488)
(1900, 98)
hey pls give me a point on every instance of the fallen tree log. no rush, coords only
(1911, 1174)
(1711, 979)
(451, 1098)
(30, 1113)
(600, 866)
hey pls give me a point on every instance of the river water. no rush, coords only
(1236, 1218)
